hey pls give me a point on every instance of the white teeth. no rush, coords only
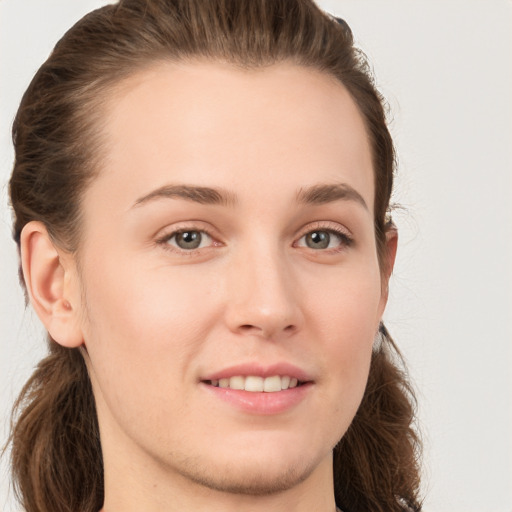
(272, 384)
(237, 382)
(257, 384)
(254, 384)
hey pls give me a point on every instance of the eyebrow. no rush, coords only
(328, 193)
(315, 194)
(202, 195)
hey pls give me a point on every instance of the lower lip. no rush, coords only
(261, 403)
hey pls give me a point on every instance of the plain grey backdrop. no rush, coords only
(446, 70)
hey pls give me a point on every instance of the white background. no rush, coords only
(446, 70)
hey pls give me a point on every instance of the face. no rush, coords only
(230, 287)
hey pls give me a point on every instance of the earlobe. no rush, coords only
(48, 272)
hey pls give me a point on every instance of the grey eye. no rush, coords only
(318, 239)
(188, 240)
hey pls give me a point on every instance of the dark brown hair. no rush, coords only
(56, 450)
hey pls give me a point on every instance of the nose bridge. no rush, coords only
(262, 291)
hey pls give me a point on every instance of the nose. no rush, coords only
(263, 298)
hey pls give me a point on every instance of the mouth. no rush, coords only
(256, 383)
(259, 389)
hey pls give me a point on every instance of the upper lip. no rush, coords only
(260, 370)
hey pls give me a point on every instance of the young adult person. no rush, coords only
(201, 194)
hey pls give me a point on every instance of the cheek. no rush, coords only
(142, 329)
(144, 308)
(347, 306)
(347, 315)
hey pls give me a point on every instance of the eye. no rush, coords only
(321, 239)
(188, 240)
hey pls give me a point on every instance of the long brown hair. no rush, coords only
(56, 451)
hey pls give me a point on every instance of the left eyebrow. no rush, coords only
(328, 193)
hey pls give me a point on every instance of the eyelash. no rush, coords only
(344, 238)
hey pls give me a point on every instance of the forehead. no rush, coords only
(212, 124)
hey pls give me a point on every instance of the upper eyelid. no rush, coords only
(326, 226)
(180, 227)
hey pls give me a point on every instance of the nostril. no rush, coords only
(265, 332)
(290, 330)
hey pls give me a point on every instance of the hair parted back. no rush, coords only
(56, 451)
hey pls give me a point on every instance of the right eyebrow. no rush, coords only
(202, 195)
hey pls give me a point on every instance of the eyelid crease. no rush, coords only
(182, 226)
(326, 226)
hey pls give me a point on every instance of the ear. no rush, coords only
(388, 263)
(51, 281)
(390, 253)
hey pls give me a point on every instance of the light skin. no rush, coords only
(269, 172)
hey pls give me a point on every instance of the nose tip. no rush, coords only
(263, 300)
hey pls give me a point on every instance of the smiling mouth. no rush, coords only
(257, 384)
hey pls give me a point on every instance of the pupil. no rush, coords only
(188, 240)
(318, 240)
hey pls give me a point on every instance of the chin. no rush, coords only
(253, 479)
(253, 465)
